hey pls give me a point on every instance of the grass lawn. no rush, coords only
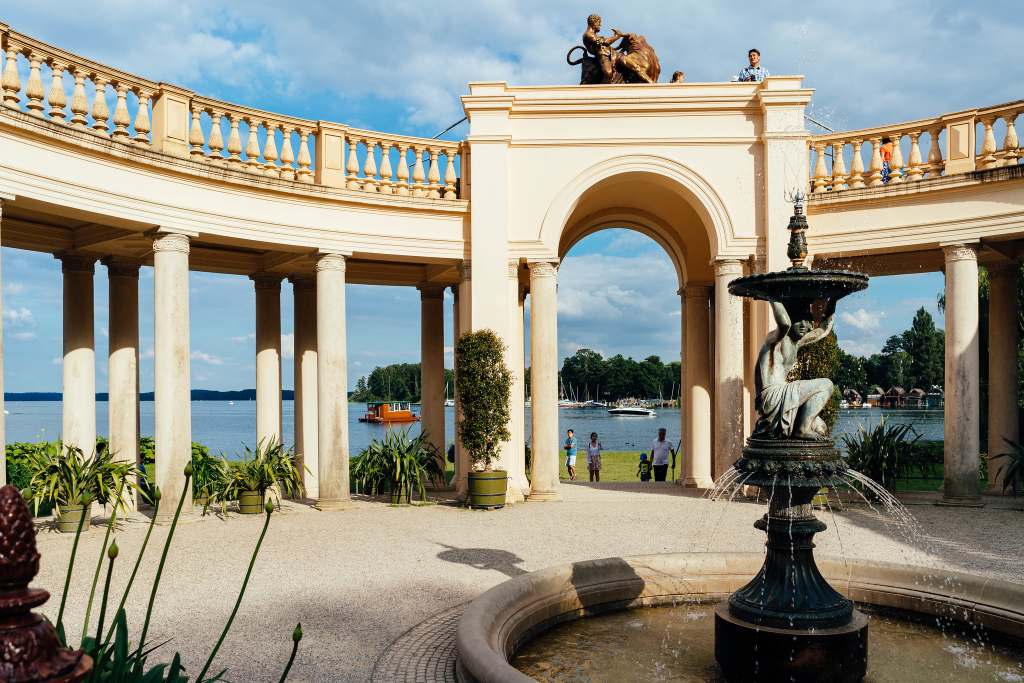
(615, 466)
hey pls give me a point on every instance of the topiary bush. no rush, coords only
(484, 390)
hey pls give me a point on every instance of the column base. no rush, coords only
(696, 483)
(514, 495)
(543, 496)
(961, 502)
(332, 504)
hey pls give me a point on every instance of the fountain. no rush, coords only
(788, 623)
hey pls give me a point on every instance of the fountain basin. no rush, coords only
(499, 622)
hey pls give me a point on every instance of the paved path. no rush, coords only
(362, 578)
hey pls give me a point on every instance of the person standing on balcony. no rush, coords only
(886, 151)
(754, 72)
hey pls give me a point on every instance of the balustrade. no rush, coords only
(830, 158)
(213, 132)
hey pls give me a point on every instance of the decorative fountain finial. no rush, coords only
(788, 623)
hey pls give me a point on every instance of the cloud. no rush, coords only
(207, 358)
(24, 336)
(244, 338)
(57, 360)
(14, 288)
(18, 317)
(861, 319)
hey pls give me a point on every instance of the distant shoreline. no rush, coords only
(197, 395)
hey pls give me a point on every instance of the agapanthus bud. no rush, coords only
(297, 633)
(112, 550)
(269, 507)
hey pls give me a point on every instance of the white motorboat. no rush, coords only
(632, 411)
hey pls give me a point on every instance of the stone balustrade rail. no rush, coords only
(952, 141)
(166, 118)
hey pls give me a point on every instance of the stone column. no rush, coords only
(123, 359)
(172, 396)
(1002, 368)
(268, 358)
(697, 453)
(544, 380)
(515, 463)
(432, 365)
(3, 433)
(78, 408)
(332, 382)
(962, 443)
(304, 289)
(464, 324)
(728, 367)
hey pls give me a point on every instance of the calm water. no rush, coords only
(225, 427)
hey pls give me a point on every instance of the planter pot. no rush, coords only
(250, 502)
(400, 497)
(487, 489)
(201, 501)
(69, 516)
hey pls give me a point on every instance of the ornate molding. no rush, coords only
(728, 266)
(171, 241)
(513, 269)
(71, 262)
(267, 281)
(334, 262)
(540, 269)
(960, 252)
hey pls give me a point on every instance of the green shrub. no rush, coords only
(1010, 466)
(62, 476)
(399, 465)
(261, 469)
(885, 453)
(484, 390)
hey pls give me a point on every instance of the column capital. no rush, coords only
(330, 262)
(513, 269)
(542, 268)
(171, 241)
(431, 291)
(72, 262)
(118, 266)
(728, 266)
(302, 282)
(465, 271)
(269, 281)
(696, 291)
(960, 252)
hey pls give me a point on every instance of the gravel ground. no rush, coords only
(359, 578)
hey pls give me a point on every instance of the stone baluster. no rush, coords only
(216, 141)
(838, 166)
(821, 177)
(287, 155)
(234, 143)
(11, 81)
(403, 170)
(419, 188)
(1011, 145)
(875, 170)
(935, 162)
(449, 176)
(252, 146)
(270, 151)
(434, 176)
(914, 166)
(79, 100)
(370, 166)
(195, 136)
(352, 164)
(896, 163)
(142, 125)
(34, 90)
(121, 116)
(857, 166)
(100, 110)
(988, 145)
(304, 174)
(57, 97)
(385, 168)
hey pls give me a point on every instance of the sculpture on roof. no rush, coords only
(633, 60)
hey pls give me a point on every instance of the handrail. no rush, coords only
(167, 118)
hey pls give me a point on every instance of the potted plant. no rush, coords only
(484, 388)
(209, 476)
(70, 481)
(267, 467)
(397, 464)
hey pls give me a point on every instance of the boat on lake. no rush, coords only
(387, 412)
(632, 411)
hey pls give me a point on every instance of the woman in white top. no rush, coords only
(594, 449)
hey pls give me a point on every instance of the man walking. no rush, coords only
(754, 72)
(660, 451)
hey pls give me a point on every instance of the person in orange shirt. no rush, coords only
(886, 152)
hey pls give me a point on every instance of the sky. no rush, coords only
(401, 67)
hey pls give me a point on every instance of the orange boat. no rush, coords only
(386, 413)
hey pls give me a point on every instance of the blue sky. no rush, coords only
(401, 66)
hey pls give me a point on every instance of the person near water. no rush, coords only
(754, 71)
(886, 152)
(644, 470)
(594, 449)
(660, 450)
(570, 454)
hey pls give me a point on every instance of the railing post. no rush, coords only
(330, 146)
(960, 136)
(171, 118)
(1010, 142)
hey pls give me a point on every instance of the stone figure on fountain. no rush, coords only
(632, 61)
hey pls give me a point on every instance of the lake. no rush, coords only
(224, 426)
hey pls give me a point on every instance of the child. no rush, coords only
(570, 454)
(594, 449)
(644, 470)
(886, 152)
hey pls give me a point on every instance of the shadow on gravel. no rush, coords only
(484, 559)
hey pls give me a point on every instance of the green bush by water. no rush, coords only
(886, 452)
(399, 465)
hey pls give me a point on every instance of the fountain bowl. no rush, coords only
(497, 623)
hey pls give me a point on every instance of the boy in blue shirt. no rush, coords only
(644, 470)
(570, 454)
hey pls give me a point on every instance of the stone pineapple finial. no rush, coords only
(29, 649)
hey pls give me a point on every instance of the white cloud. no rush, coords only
(288, 345)
(14, 288)
(207, 358)
(57, 360)
(244, 338)
(18, 317)
(861, 319)
(24, 336)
